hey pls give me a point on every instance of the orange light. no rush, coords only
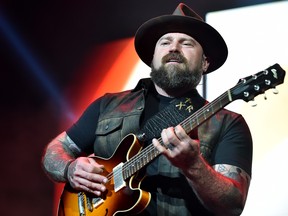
(105, 70)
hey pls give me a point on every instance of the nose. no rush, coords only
(174, 47)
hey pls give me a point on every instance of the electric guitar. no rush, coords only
(123, 168)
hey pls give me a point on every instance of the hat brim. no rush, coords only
(211, 41)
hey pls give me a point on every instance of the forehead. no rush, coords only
(176, 35)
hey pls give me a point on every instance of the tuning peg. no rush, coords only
(253, 103)
(275, 91)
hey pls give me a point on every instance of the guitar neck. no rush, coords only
(206, 112)
(150, 152)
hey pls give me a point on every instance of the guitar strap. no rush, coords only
(178, 110)
(173, 114)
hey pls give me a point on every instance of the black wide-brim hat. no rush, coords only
(183, 20)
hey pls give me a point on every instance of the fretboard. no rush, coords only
(150, 152)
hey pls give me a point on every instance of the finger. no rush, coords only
(158, 146)
(185, 139)
(84, 188)
(91, 166)
(164, 136)
(93, 177)
(87, 185)
(170, 141)
(85, 170)
(181, 133)
(169, 138)
(165, 151)
(93, 162)
(94, 190)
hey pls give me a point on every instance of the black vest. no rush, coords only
(120, 115)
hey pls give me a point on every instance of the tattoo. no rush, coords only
(69, 145)
(58, 155)
(237, 174)
(232, 172)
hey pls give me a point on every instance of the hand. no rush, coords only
(184, 151)
(85, 174)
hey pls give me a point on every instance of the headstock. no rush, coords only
(251, 86)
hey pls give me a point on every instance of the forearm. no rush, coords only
(218, 193)
(57, 156)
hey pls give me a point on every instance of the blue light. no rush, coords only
(34, 66)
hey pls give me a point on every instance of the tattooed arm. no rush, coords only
(58, 155)
(222, 189)
(239, 177)
(63, 161)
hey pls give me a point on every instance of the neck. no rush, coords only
(172, 94)
(161, 91)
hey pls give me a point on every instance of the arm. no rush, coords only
(62, 162)
(222, 189)
(58, 155)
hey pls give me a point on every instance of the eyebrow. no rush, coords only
(180, 39)
(166, 38)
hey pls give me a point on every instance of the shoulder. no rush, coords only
(229, 117)
(120, 97)
(142, 86)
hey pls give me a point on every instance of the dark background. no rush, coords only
(43, 46)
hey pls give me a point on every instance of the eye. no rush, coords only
(164, 42)
(188, 43)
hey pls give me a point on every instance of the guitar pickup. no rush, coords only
(119, 182)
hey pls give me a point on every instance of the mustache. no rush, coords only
(174, 56)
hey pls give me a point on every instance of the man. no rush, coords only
(203, 172)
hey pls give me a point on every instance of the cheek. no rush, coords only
(157, 60)
(193, 60)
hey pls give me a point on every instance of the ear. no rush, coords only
(205, 63)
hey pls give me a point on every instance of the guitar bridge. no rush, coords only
(93, 202)
(119, 182)
(81, 205)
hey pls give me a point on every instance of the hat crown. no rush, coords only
(184, 10)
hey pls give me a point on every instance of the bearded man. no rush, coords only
(202, 171)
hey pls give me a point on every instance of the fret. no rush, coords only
(137, 164)
(220, 104)
(212, 110)
(145, 159)
(197, 120)
(204, 114)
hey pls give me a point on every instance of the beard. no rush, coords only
(175, 78)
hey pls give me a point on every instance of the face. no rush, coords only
(178, 62)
